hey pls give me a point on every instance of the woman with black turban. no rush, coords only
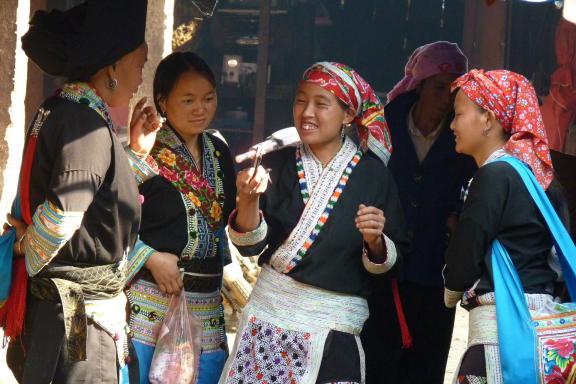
(80, 211)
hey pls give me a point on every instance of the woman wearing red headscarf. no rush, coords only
(496, 115)
(331, 221)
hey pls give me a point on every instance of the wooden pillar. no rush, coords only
(484, 35)
(13, 67)
(159, 26)
(262, 72)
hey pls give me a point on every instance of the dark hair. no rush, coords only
(172, 67)
(342, 104)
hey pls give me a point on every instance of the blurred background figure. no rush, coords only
(429, 174)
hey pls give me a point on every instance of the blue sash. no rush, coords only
(517, 340)
(6, 254)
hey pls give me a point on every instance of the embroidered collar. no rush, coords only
(319, 202)
(496, 155)
(203, 189)
(82, 93)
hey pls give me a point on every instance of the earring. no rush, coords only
(112, 84)
(163, 117)
(344, 128)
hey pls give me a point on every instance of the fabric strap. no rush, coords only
(13, 310)
(516, 332)
(7, 241)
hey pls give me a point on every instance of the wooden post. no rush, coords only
(15, 15)
(484, 35)
(262, 72)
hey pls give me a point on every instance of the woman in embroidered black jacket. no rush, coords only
(78, 197)
(330, 218)
(188, 189)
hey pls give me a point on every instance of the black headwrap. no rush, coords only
(78, 42)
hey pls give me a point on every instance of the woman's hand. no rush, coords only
(370, 222)
(250, 185)
(20, 228)
(164, 269)
(143, 127)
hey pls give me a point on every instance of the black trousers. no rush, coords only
(430, 324)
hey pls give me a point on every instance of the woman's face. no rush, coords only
(435, 98)
(318, 116)
(468, 125)
(191, 105)
(128, 72)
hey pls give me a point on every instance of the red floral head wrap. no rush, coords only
(347, 85)
(513, 100)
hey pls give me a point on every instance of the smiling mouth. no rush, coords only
(308, 127)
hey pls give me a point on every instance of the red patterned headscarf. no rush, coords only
(513, 100)
(348, 86)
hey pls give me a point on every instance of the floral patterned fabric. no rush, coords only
(176, 166)
(556, 348)
(348, 86)
(513, 100)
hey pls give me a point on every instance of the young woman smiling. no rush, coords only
(328, 223)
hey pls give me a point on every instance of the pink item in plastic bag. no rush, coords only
(178, 347)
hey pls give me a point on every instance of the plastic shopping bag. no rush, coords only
(178, 347)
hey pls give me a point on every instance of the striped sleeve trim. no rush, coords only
(391, 256)
(143, 168)
(246, 239)
(51, 228)
(137, 258)
(451, 298)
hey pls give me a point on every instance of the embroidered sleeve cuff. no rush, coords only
(246, 239)
(51, 228)
(391, 256)
(136, 259)
(143, 168)
(451, 298)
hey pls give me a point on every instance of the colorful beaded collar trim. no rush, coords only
(82, 93)
(319, 203)
(331, 202)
